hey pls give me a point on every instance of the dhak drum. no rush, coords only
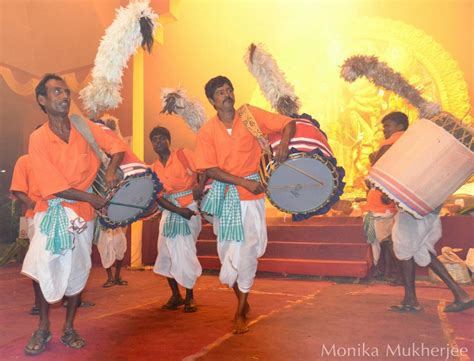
(429, 162)
(309, 181)
(132, 199)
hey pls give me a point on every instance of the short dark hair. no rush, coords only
(397, 117)
(160, 131)
(41, 87)
(215, 83)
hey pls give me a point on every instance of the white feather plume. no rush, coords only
(271, 80)
(121, 40)
(176, 101)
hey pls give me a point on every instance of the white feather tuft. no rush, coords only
(120, 41)
(271, 80)
(176, 101)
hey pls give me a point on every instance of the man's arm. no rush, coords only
(375, 156)
(220, 175)
(199, 187)
(111, 173)
(23, 197)
(94, 200)
(183, 212)
(288, 132)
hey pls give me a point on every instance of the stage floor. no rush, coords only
(290, 319)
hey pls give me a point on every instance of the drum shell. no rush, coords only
(424, 167)
(307, 138)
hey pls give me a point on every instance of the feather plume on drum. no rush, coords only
(310, 182)
(417, 175)
(135, 195)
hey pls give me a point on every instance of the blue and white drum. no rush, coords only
(305, 183)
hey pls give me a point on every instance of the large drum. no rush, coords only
(304, 184)
(309, 182)
(132, 199)
(426, 165)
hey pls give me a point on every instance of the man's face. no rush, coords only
(160, 143)
(390, 127)
(223, 98)
(58, 98)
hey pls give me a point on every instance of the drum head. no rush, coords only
(302, 184)
(136, 192)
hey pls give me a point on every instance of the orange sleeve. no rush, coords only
(20, 176)
(49, 180)
(111, 144)
(269, 122)
(206, 156)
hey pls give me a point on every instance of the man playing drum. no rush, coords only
(112, 242)
(180, 223)
(381, 210)
(413, 243)
(64, 166)
(230, 154)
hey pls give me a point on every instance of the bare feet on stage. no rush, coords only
(240, 325)
(240, 321)
(243, 308)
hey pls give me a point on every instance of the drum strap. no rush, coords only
(184, 161)
(85, 131)
(226, 206)
(252, 126)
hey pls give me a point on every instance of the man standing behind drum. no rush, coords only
(413, 243)
(180, 222)
(381, 210)
(64, 166)
(230, 154)
(112, 242)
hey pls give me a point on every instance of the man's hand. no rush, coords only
(252, 186)
(111, 178)
(186, 213)
(96, 201)
(281, 152)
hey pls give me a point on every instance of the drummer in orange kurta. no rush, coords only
(180, 223)
(64, 166)
(230, 154)
(381, 210)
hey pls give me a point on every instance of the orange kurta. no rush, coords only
(58, 166)
(237, 153)
(23, 181)
(175, 176)
(374, 196)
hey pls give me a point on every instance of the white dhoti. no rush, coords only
(112, 245)
(239, 260)
(63, 274)
(177, 256)
(416, 238)
(382, 224)
(31, 227)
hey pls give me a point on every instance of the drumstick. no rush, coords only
(303, 172)
(126, 205)
(294, 185)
